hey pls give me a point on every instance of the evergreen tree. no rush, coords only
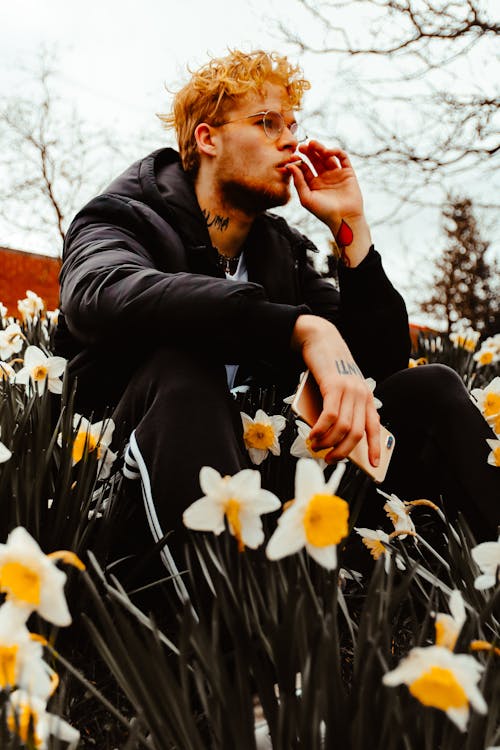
(466, 286)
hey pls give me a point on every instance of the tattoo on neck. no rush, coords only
(343, 239)
(218, 222)
(347, 368)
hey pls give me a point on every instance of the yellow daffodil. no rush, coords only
(465, 338)
(31, 306)
(21, 656)
(301, 446)
(261, 434)
(399, 513)
(376, 541)
(93, 437)
(487, 557)
(11, 341)
(52, 316)
(28, 718)
(239, 499)
(40, 371)
(448, 626)
(494, 455)
(31, 580)
(488, 399)
(417, 362)
(317, 519)
(441, 679)
(485, 356)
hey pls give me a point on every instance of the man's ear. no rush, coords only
(204, 139)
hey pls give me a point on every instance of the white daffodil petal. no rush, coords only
(204, 515)
(262, 417)
(333, 483)
(34, 356)
(288, 538)
(53, 606)
(459, 716)
(210, 480)
(484, 582)
(265, 502)
(324, 556)
(309, 480)
(252, 532)
(56, 366)
(245, 483)
(257, 455)
(64, 731)
(5, 453)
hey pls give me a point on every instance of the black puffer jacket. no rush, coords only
(139, 271)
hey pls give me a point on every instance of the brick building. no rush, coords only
(20, 271)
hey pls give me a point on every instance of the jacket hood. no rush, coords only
(159, 181)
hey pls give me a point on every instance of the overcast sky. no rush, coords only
(116, 56)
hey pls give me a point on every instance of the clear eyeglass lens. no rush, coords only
(274, 124)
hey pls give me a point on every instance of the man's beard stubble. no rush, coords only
(253, 199)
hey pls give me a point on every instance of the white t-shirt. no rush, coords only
(240, 275)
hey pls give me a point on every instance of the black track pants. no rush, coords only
(183, 417)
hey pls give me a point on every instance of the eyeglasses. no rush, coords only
(273, 124)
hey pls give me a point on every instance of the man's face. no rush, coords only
(250, 173)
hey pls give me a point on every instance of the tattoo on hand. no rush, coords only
(343, 239)
(347, 368)
(219, 222)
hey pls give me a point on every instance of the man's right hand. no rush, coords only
(348, 406)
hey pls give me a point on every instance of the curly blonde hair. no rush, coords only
(213, 88)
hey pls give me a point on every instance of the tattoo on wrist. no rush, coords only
(343, 239)
(347, 368)
(219, 222)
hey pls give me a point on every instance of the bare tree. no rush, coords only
(419, 78)
(50, 162)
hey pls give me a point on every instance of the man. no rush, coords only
(177, 283)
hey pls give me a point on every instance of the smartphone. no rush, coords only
(307, 404)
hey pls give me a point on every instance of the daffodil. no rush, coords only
(31, 306)
(448, 626)
(488, 399)
(317, 519)
(21, 656)
(28, 718)
(31, 580)
(494, 455)
(238, 499)
(301, 446)
(52, 316)
(465, 338)
(485, 356)
(376, 541)
(11, 341)
(93, 437)
(40, 371)
(417, 362)
(399, 513)
(261, 434)
(487, 557)
(441, 679)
